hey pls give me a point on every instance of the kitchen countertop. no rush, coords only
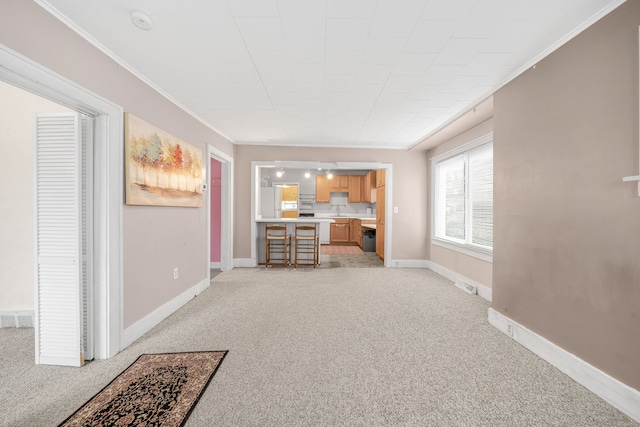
(296, 220)
(369, 226)
(345, 216)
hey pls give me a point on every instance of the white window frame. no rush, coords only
(463, 246)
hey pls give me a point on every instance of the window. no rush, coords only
(463, 197)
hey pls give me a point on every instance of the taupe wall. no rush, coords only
(155, 239)
(17, 255)
(567, 229)
(409, 192)
(466, 265)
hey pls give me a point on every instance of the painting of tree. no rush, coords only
(160, 169)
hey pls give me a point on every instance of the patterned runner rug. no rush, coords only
(156, 390)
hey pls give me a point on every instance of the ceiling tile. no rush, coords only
(374, 74)
(268, 62)
(305, 49)
(439, 74)
(261, 33)
(254, 8)
(460, 51)
(308, 73)
(303, 18)
(383, 50)
(400, 83)
(342, 63)
(339, 82)
(396, 18)
(347, 34)
(431, 36)
(350, 8)
(448, 10)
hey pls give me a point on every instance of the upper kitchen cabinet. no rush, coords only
(369, 187)
(323, 193)
(355, 189)
(339, 184)
(381, 177)
(289, 194)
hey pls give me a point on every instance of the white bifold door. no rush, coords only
(62, 197)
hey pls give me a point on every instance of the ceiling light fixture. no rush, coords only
(329, 174)
(307, 174)
(141, 20)
(280, 173)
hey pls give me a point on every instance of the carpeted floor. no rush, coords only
(339, 347)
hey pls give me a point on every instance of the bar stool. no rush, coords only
(278, 242)
(307, 241)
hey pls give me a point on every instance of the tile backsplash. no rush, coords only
(339, 204)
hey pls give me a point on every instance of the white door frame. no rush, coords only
(226, 206)
(108, 153)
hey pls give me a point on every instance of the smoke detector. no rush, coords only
(141, 20)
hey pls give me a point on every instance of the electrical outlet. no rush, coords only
(175, 273)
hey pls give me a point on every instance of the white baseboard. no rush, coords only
(215, 265)
(16, 319)
(483, 291)
(410, 263)
(145, 324)
(616, 393)
(245, 262)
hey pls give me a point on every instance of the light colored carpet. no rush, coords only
(334, 347)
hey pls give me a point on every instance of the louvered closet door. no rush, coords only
(58, 203)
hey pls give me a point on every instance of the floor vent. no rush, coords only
(468, 288)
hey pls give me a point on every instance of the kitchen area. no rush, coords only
(343, 204)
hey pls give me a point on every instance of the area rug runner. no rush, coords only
(156, 390)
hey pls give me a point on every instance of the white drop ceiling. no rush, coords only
(329, 73)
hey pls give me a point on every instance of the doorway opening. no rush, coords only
(106, 274)
(325, 193)
(219, 212)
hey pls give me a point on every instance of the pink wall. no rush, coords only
(155, 239)
(215, 189)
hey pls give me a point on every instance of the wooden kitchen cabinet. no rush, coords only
(381, 177)
(340, 231)
(355, 189)
(369, 187)
(289, 194)
(355, 231)
(380, 220)
(323, 193)
(339, 184)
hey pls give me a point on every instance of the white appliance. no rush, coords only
(270, 202)
(325, 233)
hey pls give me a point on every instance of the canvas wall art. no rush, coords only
(161, 170)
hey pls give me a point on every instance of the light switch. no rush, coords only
(395, 209)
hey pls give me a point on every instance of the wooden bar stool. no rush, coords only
(278, 243)
(307, 241)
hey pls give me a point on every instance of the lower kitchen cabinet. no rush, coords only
(356, 232)
(340, 231)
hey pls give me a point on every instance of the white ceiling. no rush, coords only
(332, 73)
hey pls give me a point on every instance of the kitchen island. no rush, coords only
(290, 223)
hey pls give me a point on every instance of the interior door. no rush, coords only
(58, 238)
